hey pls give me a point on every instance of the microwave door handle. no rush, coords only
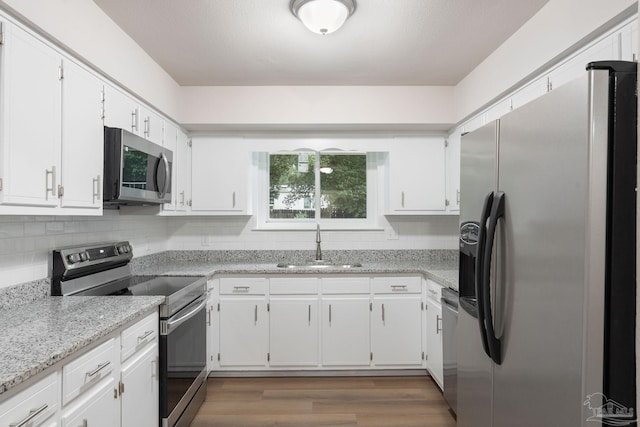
(162, 192)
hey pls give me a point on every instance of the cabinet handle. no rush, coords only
(309, 314)
(396, 288)
(144, 336)
(96, 189)
(51, 189)
(99, 368)
(134, 119)
(458, 197)
(182, 198)
(234, 199)
(147, 126)
(402, 201)
(32, 414)
(255, 314)
(241, 289)
(85, 423)
(329, 314)
(438, 321)
(382, 313)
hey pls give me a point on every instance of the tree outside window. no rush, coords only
(311, 185)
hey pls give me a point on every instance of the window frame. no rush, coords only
(374, 185)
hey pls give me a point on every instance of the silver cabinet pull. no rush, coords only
(458, 197)
(382, 313)
(396, 288)
(309, 314)
(32, 414)
(241, 288)
(438, 322)
(144, 336)
(402, 201)
(329, 314)
(255, 314)
(99, 368)
(134, 120)
(147, 126)
(51, 189)
(96, 189)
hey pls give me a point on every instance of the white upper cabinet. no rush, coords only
(151, 126)
(183, 172)
(220, 168)
(416, 183)
(120, 110)
(453, 172)
(82, 138)
(30, 120)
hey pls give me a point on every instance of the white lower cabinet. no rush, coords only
(396, 330)
(345, 331)
(98, 407)
(35, 406)
(140, 404)
(434, 340)
(244, 331)
(293, 331)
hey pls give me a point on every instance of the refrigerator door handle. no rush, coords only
(497, 212)
(482, 237)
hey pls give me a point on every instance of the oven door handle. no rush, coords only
(174, 323)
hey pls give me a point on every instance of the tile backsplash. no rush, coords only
(26, 241)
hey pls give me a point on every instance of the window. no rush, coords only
(309, 185)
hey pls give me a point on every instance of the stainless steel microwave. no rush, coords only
(136, 171)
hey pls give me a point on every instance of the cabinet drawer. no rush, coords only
(136, 337)
(239, 286)
(293, 286)
(98, 407)
(434, 291)
(345, 285)
(82, 373)
(397, 285)
(37, 403)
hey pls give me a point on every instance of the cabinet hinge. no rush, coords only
(189, 203)
(60, 191)
(549, 84)
(268, 307)
(370, 306)
(446, 202)
(121, 387)
(211, 357)
(1, 34)
(1, 182)
(60, 73)
(371, 356)
(426, 357)
(446, 143)
(218, 307)
(218, 357)
(189, 143)
(422, 306)
(423, 355)
(115, 393)
(268, 357)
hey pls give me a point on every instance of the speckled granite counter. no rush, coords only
(440, 266)
(41, 333)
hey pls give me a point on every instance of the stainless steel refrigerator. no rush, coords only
(546, 326)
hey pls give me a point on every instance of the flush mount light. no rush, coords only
(323, 16)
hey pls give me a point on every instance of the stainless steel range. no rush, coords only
(103, 269)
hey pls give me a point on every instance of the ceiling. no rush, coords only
(259, 42)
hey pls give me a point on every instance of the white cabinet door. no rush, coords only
(82, 138)
(345, 331)
(31, 120)
(170, 140)
(453, 171)
(140, 398)
(151, 126)
(417, 176)
(220, 169)
(244, 331)
(396, 330)
(293, 331)
(434, 340)
(183, 172)
(120, 110)
(99, 407)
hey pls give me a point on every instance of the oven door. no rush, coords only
(183, 362)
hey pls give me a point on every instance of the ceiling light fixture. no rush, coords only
(323, 16)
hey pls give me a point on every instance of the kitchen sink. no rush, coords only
(320, 265)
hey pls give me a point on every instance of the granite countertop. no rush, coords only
(184, 264)
(41, 333)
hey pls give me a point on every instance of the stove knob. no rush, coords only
(84, 256)
(127, 248)
(122, 249)
(73, 258)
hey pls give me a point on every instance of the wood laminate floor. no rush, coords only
(325, 401)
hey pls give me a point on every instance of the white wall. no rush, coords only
(86, 30)
(237, 233)
(560, 27)
(26, 241)
(317, 105)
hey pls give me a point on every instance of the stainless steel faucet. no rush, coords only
(318, 248)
